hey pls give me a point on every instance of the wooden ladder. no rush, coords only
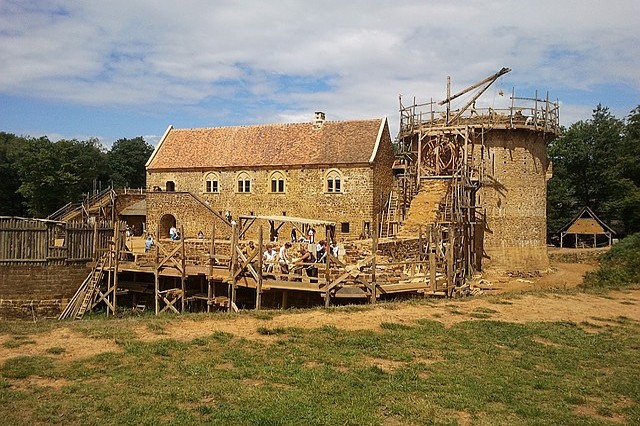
(95, 278)
(83, 299)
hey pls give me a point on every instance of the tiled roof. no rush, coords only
(336, 142)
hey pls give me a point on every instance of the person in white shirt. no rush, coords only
(269, 257)
(283, 258)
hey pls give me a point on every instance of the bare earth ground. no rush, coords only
(521, 305)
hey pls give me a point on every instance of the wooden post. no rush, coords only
(110, 270)
(327, 272)
(95, 241)
(210, 283)
(115, 270)
(374, 251)
(213, 239)
(156, 271)
(420, 251)
(234, 262)
(259, 283)
(432, 260)
(450, 259)
(419, 159)
(184, 271)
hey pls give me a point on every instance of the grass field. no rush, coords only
(476, 371)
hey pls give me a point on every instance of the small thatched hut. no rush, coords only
(587, 231)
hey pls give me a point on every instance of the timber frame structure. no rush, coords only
(206, 274)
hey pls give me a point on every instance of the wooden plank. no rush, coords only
(260, 278)
(291, 285)
(183, 254)
(374, 248)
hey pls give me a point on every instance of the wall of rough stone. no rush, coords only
(37, 289)
(383, 180)
(188, 212)
(513, 195)
(305, 196)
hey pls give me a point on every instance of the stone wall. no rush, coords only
(383, 180)
(31, 309)
(572, 255)
(189, 213)
(37, 289)
(513, 196)
(305, 196)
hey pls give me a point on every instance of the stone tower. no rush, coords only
(495, 161)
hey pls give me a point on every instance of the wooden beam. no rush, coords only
(374, 250)
(259, 283)
(156, 274)
(234, 262)
(183, 265)
(116, 263)
(432, 259)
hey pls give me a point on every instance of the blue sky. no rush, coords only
(121, 69)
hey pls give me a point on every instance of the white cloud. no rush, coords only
(159, 54)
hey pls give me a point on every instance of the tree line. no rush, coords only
(596, 163)
(39, 176)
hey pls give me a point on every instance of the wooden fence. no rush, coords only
(36, 241)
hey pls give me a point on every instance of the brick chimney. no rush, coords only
(318, 120)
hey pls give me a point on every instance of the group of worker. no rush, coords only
(305, 257)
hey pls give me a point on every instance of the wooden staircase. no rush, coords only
(95, 205)
(83, 299)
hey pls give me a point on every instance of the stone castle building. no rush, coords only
(483, 172)
(338, 171)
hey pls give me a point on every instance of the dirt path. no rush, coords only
(561, 276)
(533, 307)
(517, 307)
(577, 308)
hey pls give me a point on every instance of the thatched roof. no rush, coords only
(586, 222)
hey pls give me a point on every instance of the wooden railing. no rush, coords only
(38, 241)
(532, 113)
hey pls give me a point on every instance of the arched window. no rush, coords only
(333, 181)
(244, 182)
(277, 182)
(212, 183)
(170, 186)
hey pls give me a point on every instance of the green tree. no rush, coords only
(11, 201)
(628, 169)
(595, 165)
(127, 159)
(55, 173)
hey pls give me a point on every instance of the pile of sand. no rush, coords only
(424, 207)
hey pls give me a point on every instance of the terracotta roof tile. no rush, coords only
(337, 142)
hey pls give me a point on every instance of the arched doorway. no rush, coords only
(167, 221)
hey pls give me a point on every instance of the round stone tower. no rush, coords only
(511, 198)
(496, 162)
